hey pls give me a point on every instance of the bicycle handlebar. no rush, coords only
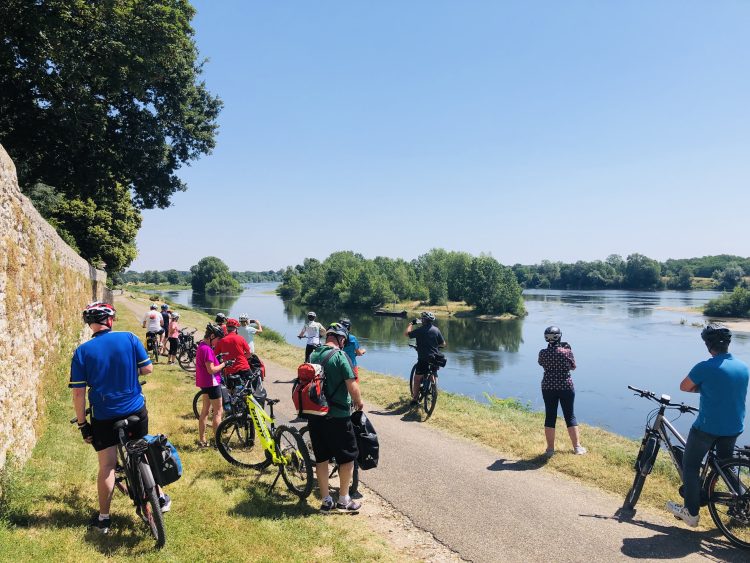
(664, 400)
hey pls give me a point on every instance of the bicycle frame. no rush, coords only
(264, 426)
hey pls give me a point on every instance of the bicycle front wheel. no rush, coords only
(411, 380)
(729, 500)
(305, 433)
(198, 403)
(151, 509)
(643, 463)
(235, 440)
(186, 359)
(430, 396)
(297, 472)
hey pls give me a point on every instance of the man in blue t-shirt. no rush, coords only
(352, 348)
(722, 382)
(109, 365)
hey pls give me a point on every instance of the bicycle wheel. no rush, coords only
(235, 440)
(729, 500)
(186, 359)
(411, 380)
(197, 403)
(430, 396)
(155, 349)
(355, 479)
(643, 464)
(297, 472)
(150, 507)
(305, 433)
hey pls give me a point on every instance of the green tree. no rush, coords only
(731, 276)
(98, 95)
(211, 275)
(642, 272)
(493, 288)
(173, 277)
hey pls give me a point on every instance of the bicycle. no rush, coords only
(280, 446)
(428, 390)
(353, 486)
(725, 483)
(152, 345)
(186, 350)
(133, 477)
(234, 384)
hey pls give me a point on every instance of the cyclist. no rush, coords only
(557, 388)
(221, 320)
(429, 341)
(234, 348)
(722, 383)
(207, 369)
(109, 365)
(166, 318)
(333, 435)
(247, 330)
(312, 330)
(352, 348)
(174, 337)
(153, 323)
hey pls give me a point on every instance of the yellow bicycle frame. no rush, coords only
(261, 421)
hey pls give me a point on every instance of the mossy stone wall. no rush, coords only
(44, 285)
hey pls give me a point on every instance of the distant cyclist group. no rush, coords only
(110, 364)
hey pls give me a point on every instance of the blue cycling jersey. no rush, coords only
(108, 365)
(351, 348)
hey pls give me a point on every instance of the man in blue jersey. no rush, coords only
(352, 348)
(109, 365)
(722, 382)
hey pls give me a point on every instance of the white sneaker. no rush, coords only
(579, 450)
(682, 513)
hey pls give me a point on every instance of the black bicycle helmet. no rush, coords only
(338, 329)
(214, 331)
(311, 316)
(221, 318)
(98, 312)
(346, 323)
(716, 333)
(164, 307)
(428, 317)
(552, 334)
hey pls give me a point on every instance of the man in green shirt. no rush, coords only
(333, 435)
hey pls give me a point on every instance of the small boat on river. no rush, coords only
(387, 313)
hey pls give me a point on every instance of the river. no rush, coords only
(619, 338)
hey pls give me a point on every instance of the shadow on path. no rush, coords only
(531, 464)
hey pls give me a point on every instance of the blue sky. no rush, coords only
(530, 130)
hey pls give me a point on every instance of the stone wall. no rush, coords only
(44, 285)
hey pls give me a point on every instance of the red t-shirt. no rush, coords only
(235, 348)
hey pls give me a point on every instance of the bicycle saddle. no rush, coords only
(272, 401)
(125, 422)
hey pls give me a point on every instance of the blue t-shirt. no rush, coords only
(351, 349)
(108, 365)
(722, 382)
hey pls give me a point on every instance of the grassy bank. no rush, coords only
(219, 512)
(510, 428)
(155, 287)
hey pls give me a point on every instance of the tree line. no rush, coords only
(635, 272)
(185, 277)
(347, 279)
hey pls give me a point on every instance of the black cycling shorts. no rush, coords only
(104, 435)
(423, 367)
(155, 332)
(333, 437)
(212, 392)
(174, 344)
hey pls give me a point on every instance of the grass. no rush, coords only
(508, 426)
(219, 512)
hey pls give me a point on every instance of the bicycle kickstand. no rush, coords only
(278, 474)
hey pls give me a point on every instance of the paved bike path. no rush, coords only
(490, 507)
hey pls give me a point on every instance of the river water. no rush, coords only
(619, 338)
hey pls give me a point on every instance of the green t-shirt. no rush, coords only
(337, 370)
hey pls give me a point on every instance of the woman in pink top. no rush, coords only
(207, 368)
(173, 333)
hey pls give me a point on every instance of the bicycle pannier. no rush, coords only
(164, 460)
(367, 441)
(439, 359)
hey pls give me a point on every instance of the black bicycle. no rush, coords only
(186, 349)
(725, 483)
(428, 389)
(133, 477)
(152, 345)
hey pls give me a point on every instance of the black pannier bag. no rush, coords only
(163, 459)
(439, 359)
(367, 441)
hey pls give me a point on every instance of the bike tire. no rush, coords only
(151, 509)
(235, 440)
(355, 479)
(411, 380)
(298, 471)
(430, 397)
(644, 461)
(729, 511)
(197, 400)
(155, 349)
(186, 360)
(305, 433)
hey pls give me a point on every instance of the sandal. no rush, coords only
(203, 444)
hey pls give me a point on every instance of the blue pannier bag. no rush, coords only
(164, 460)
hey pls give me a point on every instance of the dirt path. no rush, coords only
(438, 497)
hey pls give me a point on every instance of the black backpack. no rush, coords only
(367, 441)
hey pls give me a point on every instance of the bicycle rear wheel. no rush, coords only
(186, 359)
(150, 509)
(198, 404)
(643, 463)
(297, 472)
(305, 433)
(411, 380)
(729, 500)
(235, 440)
(430, 396)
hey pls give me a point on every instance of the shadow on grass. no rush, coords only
(672, 542)
(260, 503)
(531, 464)
(398, 408)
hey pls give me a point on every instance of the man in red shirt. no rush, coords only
(234, 347)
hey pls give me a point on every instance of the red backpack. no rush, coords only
(308, 392)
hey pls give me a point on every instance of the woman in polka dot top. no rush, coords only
(557, 388)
